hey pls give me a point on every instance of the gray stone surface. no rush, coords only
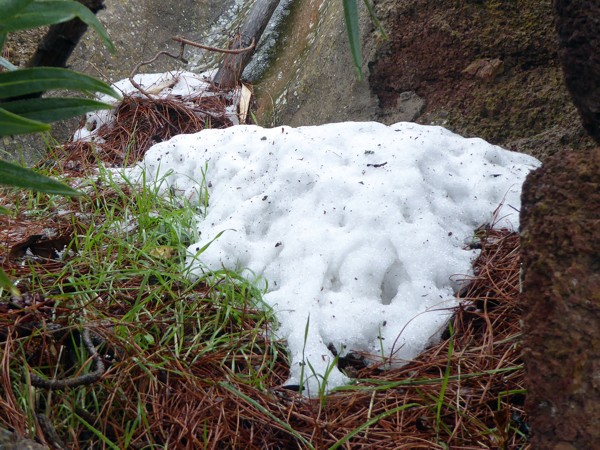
(10, 441)
(139, 30)
(312, 80)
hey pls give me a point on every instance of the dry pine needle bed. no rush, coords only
(465, 393)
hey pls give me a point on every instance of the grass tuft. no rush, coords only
(192, 363)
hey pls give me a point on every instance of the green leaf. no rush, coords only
(374, 19)
(14, 175)
(11, 7)
(351, 19)
(48, 12)
(40, 79)
(53, 108)
(12, 124)
(5, 283)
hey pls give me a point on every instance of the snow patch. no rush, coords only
(359, 227)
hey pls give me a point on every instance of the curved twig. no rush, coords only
(216, 49)
(136, 85)
(50, 432)
(82, 380)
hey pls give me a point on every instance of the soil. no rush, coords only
(485, 68)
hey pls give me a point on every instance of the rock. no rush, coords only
(432, 43)
(485, 69)
(311, 78)
(10, 441)
(416, 75)
(560, 235)
(408, 108)
(560, 249)
(578, 26)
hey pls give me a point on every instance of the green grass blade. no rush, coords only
(13, 124)
(262, 409)
(53, 109)
(205, 246)
(14, 175)
(5, 283)
(440, 400)
(370, 422)
(382, 385)
(4, 62)
(351, 19)
(40, 79)
(97, 433)
(374, 18)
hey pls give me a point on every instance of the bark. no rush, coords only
(61, 39)
(233, 64)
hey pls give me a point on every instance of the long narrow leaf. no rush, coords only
(440, 399)
(53, 108)
(49, 12)
(6, 284)
(374, 18)
(11, 7)
(282, 424)
(370, 422)
(13, 124)
(40, 79)
(351, 19)
(14, 175)
(6, 63)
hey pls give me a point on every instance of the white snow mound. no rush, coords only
(360, 227)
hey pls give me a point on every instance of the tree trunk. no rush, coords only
(56, 46)
(233, 64)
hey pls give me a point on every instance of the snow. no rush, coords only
(357, 230)
(176, 83)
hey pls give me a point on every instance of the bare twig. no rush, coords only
(180, 57)
(82, 380)
(135, 70)
(236, 51)
(50, 432)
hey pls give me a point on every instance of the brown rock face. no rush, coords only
(578, 26)
(485, 68)
(560, 232)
